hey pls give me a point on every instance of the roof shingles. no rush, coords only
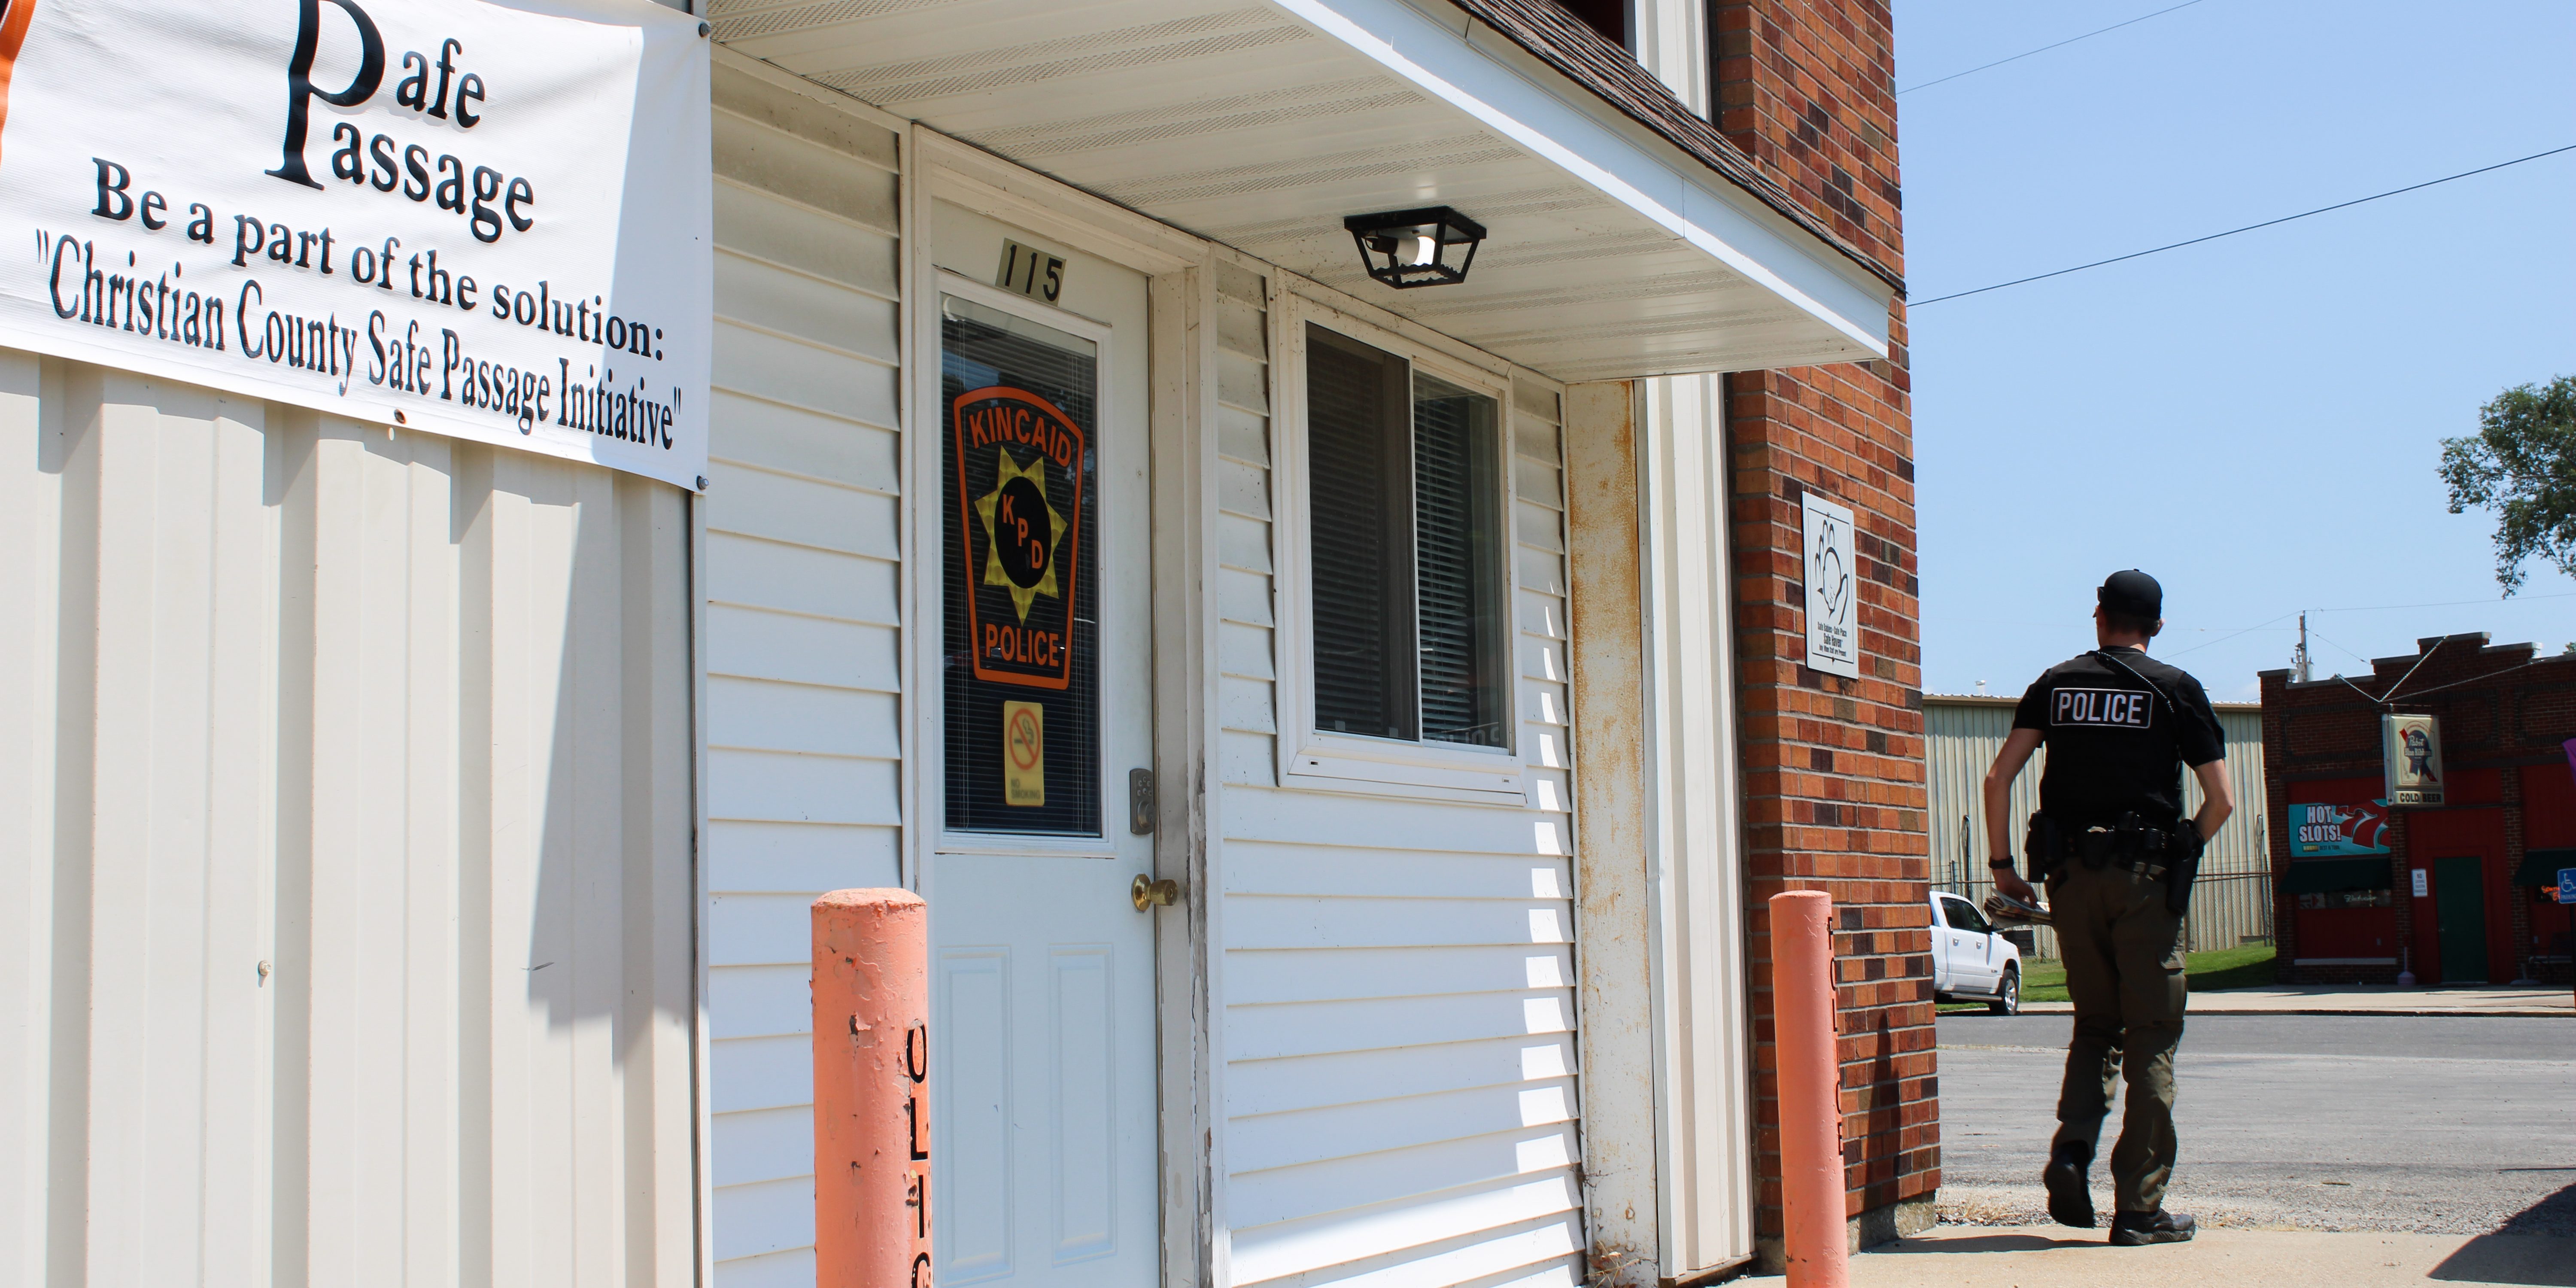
(1559, 39)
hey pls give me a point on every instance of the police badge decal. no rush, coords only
(1018, 473)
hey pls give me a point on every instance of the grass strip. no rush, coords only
(2044, 979)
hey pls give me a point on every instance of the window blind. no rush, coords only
(1361, 512)
(1410, 585)
(1457, 572)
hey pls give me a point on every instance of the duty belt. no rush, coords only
(2166, 854)
(2128, 845)
(2142, 865)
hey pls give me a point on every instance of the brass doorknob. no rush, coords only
(1147, 893)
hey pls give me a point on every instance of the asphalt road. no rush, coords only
(2447, 1125)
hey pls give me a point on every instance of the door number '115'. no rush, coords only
(1033, 273)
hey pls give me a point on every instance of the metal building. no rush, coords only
(2231, 905)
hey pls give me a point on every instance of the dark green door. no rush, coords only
(2460, 917)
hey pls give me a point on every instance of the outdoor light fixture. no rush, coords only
(1409, 248)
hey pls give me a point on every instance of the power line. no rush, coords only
(2418, 695)
(2447, 603)
(2045, 48)
(2366, 608)
(2390, 698)
(2224, 638)
(2347, 649)
(1916, 304)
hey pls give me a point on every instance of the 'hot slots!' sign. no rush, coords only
(487, 219)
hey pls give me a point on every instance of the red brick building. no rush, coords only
(2456, 893)
(1832, 773)
(1834, 770)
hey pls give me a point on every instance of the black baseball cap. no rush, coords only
(2133, 594)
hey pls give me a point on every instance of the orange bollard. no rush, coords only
(1817, 1241)
(871, 1090)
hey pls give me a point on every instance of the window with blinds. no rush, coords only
(1406, 525)
(1458, 563)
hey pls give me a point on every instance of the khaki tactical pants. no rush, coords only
(2124, 970)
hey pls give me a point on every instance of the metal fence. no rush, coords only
(2230, 905)
(2228, 910)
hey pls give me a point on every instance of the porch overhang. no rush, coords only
(1614, 251)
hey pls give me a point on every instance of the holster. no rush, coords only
(2040, 844)
(2182, 865)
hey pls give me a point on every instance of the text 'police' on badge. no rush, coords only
(2114, 708)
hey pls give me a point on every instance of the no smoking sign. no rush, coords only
(1024, 753)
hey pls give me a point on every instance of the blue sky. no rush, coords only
(2256, 421)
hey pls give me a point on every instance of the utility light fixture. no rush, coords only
(1409, 248)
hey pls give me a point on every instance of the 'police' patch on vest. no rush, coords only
(2100, 708)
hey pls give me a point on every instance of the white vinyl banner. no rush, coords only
(489, 219)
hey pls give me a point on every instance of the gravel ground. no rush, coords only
(2435, 1125)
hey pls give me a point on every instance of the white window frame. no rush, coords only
(932, 749)
(1316, 759)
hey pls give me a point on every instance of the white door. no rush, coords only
(1042, 1024)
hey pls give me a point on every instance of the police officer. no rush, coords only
(2118, 858)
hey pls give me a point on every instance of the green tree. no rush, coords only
(2521, 464)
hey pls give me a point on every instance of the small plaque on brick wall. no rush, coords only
(1833, 591)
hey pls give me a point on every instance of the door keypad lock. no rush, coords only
(1148, 894)
(1140, 801)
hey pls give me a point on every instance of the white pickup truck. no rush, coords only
(1970, 959)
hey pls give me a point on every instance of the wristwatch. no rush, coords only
(1999, 863)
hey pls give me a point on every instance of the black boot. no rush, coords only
(2132, 1229)
(2070, 1199)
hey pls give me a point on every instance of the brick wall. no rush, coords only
(1834, 784)
(2502, 709)
(1807, 88)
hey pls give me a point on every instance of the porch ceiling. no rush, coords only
(1261, 123)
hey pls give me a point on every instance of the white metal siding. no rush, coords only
(403, 721)
(803, 588)
(1960, 742)
(1397, 1012)
(2232, 901)
(1246, 704)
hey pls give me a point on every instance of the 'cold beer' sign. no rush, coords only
(2411, 755)
(488, 219)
